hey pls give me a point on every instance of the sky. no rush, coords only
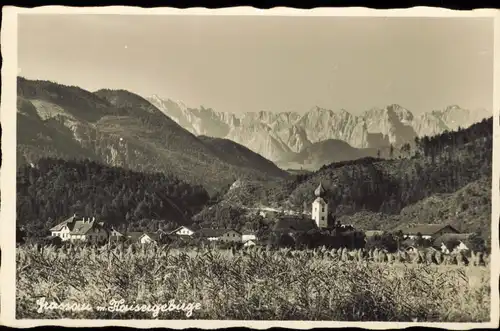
(253, 63)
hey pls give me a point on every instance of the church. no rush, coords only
(320, 218)
(320, 208)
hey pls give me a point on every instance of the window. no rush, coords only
(323, 209)
(322, 218)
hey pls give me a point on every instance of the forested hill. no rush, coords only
(120, 128)
(54, 189)
(441, 164)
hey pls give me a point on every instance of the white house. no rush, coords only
(230, 236)
(183, 231)
(320, 208)
(84, 229)
(149, 238)
(248, 235)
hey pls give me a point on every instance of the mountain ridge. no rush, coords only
(291, 132)
(120, 128)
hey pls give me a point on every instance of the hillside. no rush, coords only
(276, 136)
(240, 156)
(392, 192)
(122, 129)
(468, 210)
(55, 189)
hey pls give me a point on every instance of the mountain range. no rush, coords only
(120, 131)
(291, 140)
(120, 128)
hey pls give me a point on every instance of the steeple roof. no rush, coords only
(320, 190)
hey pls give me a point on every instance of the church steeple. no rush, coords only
(320, 208)
(320, 191)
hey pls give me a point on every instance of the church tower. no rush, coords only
(320, 208)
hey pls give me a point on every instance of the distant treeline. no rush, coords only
(54, 189)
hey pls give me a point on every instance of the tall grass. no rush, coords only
(252, 285)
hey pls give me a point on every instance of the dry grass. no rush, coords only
(255, 285)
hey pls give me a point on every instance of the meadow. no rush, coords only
(246, 284)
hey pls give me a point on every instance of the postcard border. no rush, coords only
(8, 170)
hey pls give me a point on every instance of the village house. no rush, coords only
(115, 235)
(182, 231)
(248, 235)
(149, 238)
(82, 229)
(427, 231)
(223, 235)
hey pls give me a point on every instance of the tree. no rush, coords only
(104, 212)
(477, 243)
(405, 149)
(285, 240)
(399, 237)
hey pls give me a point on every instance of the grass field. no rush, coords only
(254, 285)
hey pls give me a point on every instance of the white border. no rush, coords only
(8, 170)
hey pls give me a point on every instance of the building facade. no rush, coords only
(320, 208)
(81, 229)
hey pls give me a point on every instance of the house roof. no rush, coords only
(134, 235)
(296, 223)
(153, 235)
(320, 190)
(115, 232)
(179, 228)
(81, 227)
(77, 225)
(61, 225)
(425, 229)
(206, 232)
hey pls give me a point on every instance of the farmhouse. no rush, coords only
(149, 238)
(248, 235)
(182, 231)
(428, 231)
(84, 229)
(224, 235)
